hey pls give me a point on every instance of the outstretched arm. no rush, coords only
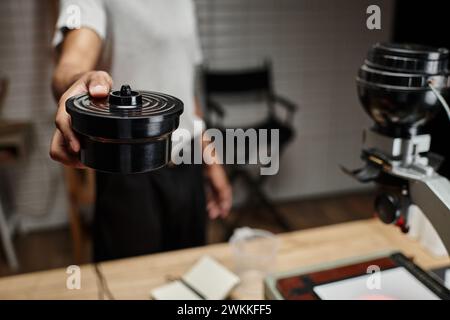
(74, 75)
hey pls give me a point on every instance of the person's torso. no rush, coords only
(152, 45)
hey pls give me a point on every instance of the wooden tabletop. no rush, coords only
(133, 278)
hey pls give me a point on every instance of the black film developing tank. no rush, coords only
(128, 132)
(393, 85)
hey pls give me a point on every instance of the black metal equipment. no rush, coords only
(402, 87)
(128, 132)
(393, 86)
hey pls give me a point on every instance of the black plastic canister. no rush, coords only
(127, 132)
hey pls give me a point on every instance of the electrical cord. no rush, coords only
(102, 284)
(440, 98)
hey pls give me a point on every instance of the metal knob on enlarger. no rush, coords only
(127, 132)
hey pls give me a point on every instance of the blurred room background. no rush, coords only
(315, 48)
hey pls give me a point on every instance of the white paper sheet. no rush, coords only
(397, 284)
(211, 279)
(207, 277)
(175, 290)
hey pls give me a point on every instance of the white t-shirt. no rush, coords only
(149, 44)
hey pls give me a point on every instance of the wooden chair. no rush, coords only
(3, 90)
(80, 186)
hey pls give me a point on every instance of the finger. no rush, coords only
(212, 208)
(59, 152)
(63, 123)
(99, 84)
(225, 212)
(225, 200)
(225, 197)
(213, 211)
(221, 190)
(63, 119)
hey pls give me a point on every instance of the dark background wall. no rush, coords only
(316, 48)
(427, 23)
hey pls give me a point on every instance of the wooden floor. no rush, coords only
(52, 249)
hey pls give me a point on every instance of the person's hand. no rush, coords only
(65, 145)
(219, 195)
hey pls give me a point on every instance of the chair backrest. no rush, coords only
(243, 87)
(237, 82)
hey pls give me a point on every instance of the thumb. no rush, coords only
(99, 84)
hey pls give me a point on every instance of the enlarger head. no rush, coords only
(401, 87)
(394, 86)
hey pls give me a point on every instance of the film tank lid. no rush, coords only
(125, 114)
